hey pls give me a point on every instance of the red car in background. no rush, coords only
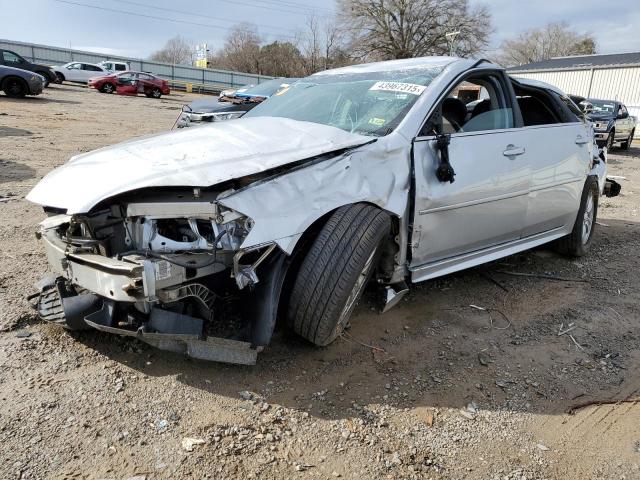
(131, 83)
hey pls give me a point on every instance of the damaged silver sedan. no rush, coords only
(198, 240)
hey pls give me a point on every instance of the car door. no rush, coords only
(624, 123)
(12, 59)
(486, 203)
(73, 72)
(559, 148)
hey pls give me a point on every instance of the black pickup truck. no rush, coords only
(611, 121)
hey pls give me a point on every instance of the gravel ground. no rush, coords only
(433, 389)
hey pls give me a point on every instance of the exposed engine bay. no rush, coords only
(169, 271)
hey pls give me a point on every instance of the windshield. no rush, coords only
(600, 106)
(371, 103)
(268, 88)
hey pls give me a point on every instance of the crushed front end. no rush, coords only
(168, 270)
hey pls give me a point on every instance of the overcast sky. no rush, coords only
(104, 28)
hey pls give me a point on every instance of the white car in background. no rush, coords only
(114, 67)
(79, 72)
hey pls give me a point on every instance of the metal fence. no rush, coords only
(203, 78)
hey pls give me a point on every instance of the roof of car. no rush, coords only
(581, 62)
(538, 84)
(420, 62)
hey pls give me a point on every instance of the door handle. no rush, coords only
(513, 151)
(581, 141)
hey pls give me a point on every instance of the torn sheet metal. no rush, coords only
(284, 207)
(199, 157)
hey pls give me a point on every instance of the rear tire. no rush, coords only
(15, 87)
(627, 143)
(577, 243)
(335, 271)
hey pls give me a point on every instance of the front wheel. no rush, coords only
(335, 271)
(155, 93)
(577, 243)
(108, 88)
(46, 78)
(59, 77)
(610, 140)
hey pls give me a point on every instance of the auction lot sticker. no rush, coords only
(399, 87)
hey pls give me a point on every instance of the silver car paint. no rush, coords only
(483, 215)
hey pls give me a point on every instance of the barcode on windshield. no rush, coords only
(411, 88)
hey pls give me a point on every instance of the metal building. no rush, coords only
(608, 77)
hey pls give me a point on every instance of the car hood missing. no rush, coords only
(199, 157)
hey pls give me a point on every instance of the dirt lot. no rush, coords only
(448, 392)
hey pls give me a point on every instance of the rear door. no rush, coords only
(559, 149)
(487, 202)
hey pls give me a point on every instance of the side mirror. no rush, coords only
(622, 116)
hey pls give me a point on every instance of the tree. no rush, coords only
(176, 51)
(552, 40)
(281, 59)
(241, 51)
(388, 29)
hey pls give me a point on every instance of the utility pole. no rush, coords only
(451, 39)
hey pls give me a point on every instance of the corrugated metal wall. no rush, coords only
(618, 83)
(58, 56)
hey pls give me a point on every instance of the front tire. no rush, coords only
(335, 271)
(577, 243)
(59, 77)
(15, 87)
(627, 143)
(46, 78)
(108, 88)
(610, 140)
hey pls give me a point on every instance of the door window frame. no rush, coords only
(507, 92)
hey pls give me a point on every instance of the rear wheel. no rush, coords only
(108, 88)
(15, 87)
(627, 143)
(335, 271)
(577, 243)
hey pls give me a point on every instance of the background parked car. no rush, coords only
(12, 59)
(131, 83)
(230, 106)
(611, 122)
(78, 72)
(228, 92)
(17, 83)
(114, 67)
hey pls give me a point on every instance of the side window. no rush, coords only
(91, 68)
(541, 107)
(10, 57)
(120, 67)
(574, 110)
(623, 111)
(74, 66)
(479, 103)
(108, 66)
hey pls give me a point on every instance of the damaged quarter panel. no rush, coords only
(284, 207)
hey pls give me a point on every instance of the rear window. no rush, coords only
(120, 67)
